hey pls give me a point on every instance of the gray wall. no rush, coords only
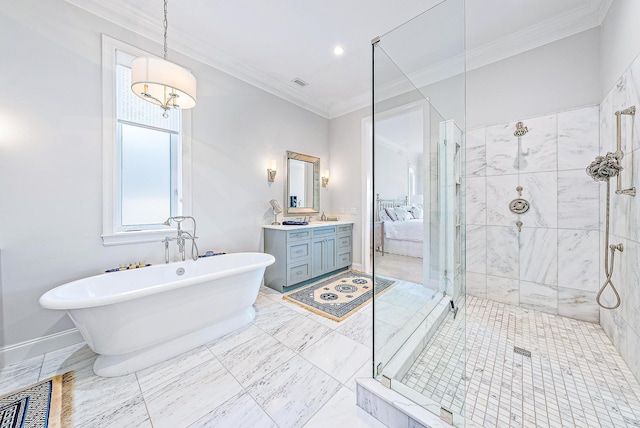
(347, 173)
(619, 42)
(535, 268)
(552, 78)
(51, 159)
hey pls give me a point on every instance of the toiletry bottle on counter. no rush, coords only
(323, 217)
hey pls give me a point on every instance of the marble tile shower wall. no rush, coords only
(552, 264)
(622, 325)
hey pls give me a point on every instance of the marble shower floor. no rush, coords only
(289, 368)
(573, 378)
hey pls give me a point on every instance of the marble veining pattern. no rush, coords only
(549, 165)
(578, 261)
(578, 200)
(476, 203)
(573, 378)
(505, 290)
(578, 304)
(578, 142)
(476, 249)
(539, 255)
(502, 149)
(198, 391)
(320, 354)
(502, 254)
(607, 125)
(622, 324)
(539, 146)
(293, 392)
(540, 190)
(239, 411)
(542, 297)
(476, 155)
(501, 190)
(258, 376)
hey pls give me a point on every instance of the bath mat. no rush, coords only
(339, 296)
(46, 404)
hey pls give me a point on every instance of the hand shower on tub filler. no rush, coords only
(181, 237)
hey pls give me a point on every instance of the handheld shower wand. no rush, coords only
(603, 168)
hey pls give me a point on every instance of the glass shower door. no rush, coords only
(418, 182)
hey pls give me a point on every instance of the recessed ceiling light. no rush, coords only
(338, 50)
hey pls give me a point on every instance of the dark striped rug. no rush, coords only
(46, 404)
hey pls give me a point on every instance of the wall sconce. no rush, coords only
(325, 178)
(271, 171)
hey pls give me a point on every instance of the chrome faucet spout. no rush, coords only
(181, 237)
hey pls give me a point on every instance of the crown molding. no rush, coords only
(603, 9)
(125, 15)
(551, 30)
(570, 23)
(121, 13)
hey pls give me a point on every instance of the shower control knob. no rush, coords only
(519, 206)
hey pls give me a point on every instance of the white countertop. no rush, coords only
(307, 226)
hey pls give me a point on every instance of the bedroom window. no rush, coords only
(146, 174)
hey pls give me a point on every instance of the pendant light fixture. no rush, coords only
(162, 82)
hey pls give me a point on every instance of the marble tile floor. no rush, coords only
(396, 266)
(574, 377)
(289, 368)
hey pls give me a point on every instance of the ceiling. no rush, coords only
(271, 43)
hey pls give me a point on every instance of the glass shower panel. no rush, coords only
(418, 182)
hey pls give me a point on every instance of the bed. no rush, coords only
(402, 226)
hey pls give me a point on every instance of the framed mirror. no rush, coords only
(302, 193)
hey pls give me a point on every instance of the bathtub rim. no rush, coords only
(49, 300)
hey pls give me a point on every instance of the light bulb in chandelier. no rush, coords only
(163, 82)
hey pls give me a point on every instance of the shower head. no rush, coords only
(604, 167)
(520, 130)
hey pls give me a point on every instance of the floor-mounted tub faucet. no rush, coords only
(181, 238)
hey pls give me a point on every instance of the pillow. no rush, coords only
(391, 212)
(403, 214)
(383, 216)
(416, 212)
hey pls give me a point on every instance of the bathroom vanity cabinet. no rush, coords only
(304, 253)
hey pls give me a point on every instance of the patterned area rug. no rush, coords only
(46, 404)
(339, 296)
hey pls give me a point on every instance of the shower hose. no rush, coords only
(612, 249)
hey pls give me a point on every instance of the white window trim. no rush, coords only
(110, 235)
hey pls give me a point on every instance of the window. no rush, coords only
(146, 172)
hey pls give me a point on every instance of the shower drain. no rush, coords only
(522, 351)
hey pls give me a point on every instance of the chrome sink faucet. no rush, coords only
(180, 239)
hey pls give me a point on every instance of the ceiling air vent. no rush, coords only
(298, 81)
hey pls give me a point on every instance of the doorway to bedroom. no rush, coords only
(416, 210)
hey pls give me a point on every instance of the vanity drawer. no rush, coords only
(344, 259)
(344, 229)
(297, 251)
(298, 273)
(297, 235)
(344, 242)
(324, 231)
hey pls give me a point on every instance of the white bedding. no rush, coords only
(409, 230)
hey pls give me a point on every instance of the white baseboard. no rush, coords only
(31, 348)
(356, 266)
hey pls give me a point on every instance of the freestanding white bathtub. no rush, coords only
(137, 318)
